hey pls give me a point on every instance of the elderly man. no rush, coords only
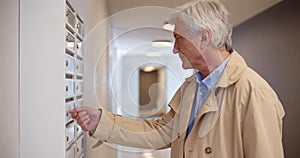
(225, 110)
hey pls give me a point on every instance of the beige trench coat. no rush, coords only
(242, 118)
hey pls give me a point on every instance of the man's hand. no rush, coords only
(87, 117)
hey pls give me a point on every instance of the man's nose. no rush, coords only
(175, 49)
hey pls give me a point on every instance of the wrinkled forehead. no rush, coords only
(180, 29)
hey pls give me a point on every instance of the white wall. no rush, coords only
(33, 81)
(270, 43)
(9, 80)
(42, 79)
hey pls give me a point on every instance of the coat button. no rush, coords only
(208, 150)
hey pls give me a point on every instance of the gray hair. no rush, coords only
(211, 14)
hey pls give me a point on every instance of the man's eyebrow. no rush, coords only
(176, 35)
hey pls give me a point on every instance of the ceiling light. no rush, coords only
(147, 155)
(149, 69)
(153, 54)
(162, 43)
(169, 27)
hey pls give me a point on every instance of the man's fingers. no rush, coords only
(80, 109)
(84, 128)
(74, 113)
(78, 115)
(84, 124)
(82, 113)
(81, 119)
(84, 118)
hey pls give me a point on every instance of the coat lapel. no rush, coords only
(181, 119)
(211, 111)
(212, 108)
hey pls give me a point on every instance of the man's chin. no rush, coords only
(186, 67)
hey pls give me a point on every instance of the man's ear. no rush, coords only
(205, 37)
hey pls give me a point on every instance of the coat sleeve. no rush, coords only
(262, 126)
(140, 133)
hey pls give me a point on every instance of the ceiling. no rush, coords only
(136, 23)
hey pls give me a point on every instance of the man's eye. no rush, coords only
(177, 37)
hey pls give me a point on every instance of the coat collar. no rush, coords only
(234, 69)
(183, 99)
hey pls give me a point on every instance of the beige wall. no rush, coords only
(270, 42)
(96, 40)
(9, 80)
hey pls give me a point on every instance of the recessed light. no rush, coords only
(168, 26)
(147, 155)
(148, 68)
(161, 43)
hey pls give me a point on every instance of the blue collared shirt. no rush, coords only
(204, 88)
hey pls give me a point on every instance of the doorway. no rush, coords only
(152, 93)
